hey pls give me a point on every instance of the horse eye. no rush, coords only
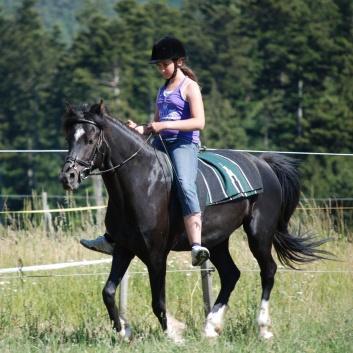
(90, 141)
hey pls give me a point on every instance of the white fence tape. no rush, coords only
(53, 266)
(95, 262)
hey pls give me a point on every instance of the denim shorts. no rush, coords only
(183, 154)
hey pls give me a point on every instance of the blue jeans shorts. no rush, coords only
(183, 155)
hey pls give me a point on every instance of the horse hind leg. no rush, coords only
(260, 244)
(229, 275)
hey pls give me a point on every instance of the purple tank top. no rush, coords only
(172, 107)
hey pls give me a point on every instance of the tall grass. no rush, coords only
(63, 311)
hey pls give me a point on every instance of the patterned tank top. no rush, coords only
(171, 107)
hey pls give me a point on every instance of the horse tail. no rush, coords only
(299, 248)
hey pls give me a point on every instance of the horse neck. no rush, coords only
(143, 178)
(124, 143)
(132, 153)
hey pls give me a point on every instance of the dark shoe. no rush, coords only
(199, 255)
(100, 244)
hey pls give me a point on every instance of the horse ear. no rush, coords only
(69, 109)
(101, 108)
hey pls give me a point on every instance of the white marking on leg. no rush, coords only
(79, 132)
(126, 332)
(264, 320)
(214, 322)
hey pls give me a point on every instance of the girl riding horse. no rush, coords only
(178, 119)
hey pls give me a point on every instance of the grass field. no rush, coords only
(62, 310)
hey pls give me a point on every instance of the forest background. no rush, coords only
(275, 74)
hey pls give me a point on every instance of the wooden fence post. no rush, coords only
(207, 291)
(98, 197)
(124, 284)
(48, 226)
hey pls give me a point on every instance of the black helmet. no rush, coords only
(167, 48)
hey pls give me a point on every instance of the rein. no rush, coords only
(122, 163)
(87, 171)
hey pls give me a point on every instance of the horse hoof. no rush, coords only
(266, 335)
(126, 331)
(209, 332)
(215, 321)
(175, 329)
(175, 337)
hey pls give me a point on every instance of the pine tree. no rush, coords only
(27, 66)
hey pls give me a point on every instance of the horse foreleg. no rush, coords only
(120, 263)
(229, 275)
(171, 327)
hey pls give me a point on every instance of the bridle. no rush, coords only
(87, 171)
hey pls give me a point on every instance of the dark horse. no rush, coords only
(145, 219)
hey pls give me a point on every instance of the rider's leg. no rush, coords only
(193, 225)
(183, 155)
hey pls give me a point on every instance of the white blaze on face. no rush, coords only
(79, 132)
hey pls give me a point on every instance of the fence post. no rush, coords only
(124, 284)
(98, 196)
(207, 291)
(48, 227)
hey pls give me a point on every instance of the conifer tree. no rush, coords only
(27, 66)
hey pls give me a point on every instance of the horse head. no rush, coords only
(83, 129)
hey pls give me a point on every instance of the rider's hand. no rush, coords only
(131, 124)
(155, 127)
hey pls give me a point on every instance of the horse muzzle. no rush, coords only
(70, 178)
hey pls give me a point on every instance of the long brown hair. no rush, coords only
(186, 70)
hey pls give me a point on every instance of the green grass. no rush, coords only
(63, 311)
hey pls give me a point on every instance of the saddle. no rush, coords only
(225, 175)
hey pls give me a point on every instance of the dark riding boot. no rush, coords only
(100, 244)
